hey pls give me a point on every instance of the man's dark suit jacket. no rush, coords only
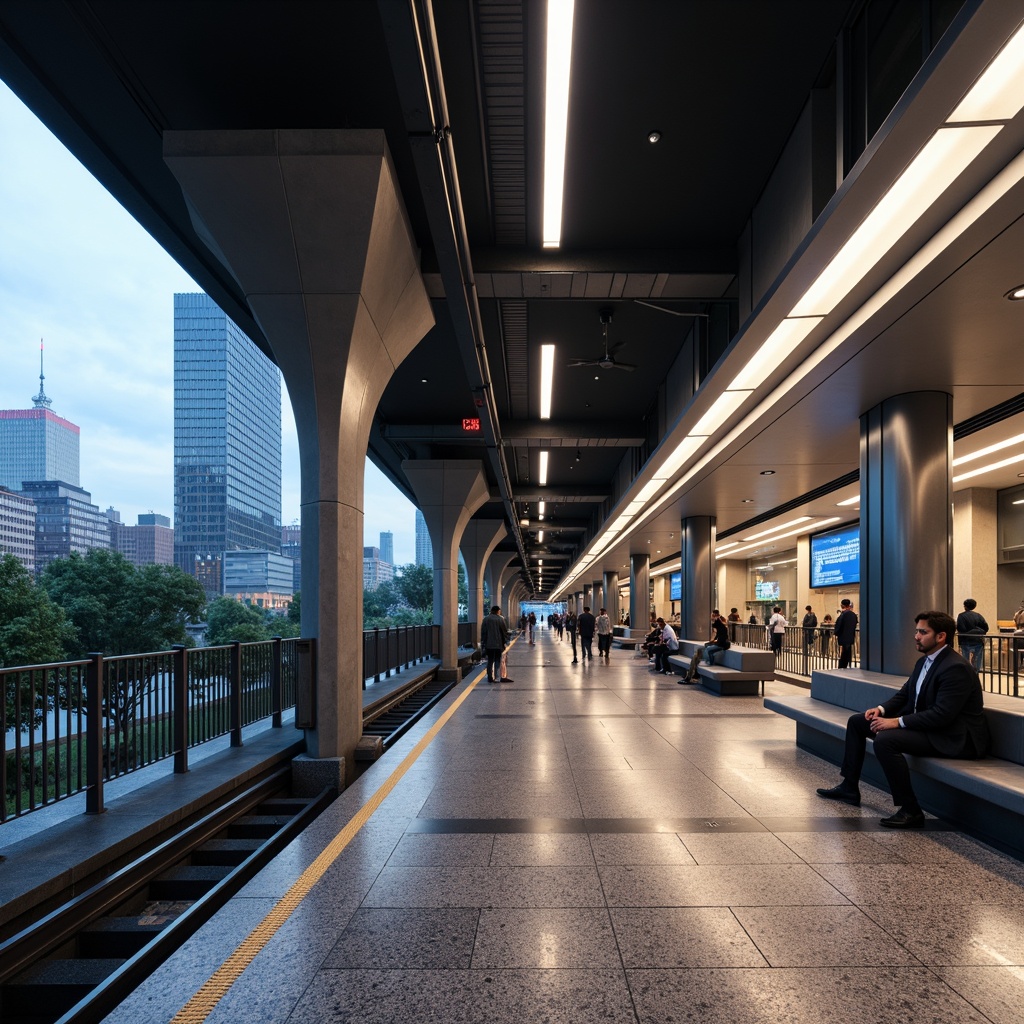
(586, 623)
(846, 628)
(949, 708)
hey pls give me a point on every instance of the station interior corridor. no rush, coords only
(596, 842)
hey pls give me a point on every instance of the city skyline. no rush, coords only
(78, 272)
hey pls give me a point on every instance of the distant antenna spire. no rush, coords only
(41, 401)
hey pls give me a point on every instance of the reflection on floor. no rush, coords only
(595, 842)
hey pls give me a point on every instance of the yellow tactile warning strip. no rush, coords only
(202, 1004)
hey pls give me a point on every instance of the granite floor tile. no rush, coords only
(909, 884)
(419, 849)
(467, 997)
(840, 848)
(738, 848)
(821, 937)
(631, 848)
(406, 939)
(998, 992)
(683, 937)
(981, 934)
(542, 849)
(576, 938)
(486, 887)
(717, 885)
(799, 996)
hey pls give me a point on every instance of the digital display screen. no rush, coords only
(471, 424)
(675, 586)
(835, 558)
(767, 590)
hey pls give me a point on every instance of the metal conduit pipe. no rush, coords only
(409, 29)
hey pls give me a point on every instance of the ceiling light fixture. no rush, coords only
(540, 536)
(542, 472)
(547, 379)
(653, 137)
(767, 472)
(784, 526)
(792, 533)
(996, 95)
(988, 469)
(556, 116)
(981, 452)
(855, 500)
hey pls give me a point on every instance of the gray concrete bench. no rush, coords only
(626, 638)
(985, 797)
(738, 671)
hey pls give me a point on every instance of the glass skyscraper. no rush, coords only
(424, 548)
(227, 440)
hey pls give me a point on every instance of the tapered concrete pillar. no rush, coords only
(697, 556)
(611, 595)
(639, 590)
(587, 597)
(507, 585)
(479, 539)
(906, 524)
(311, 225)
(496, 565)
(448, 492)
(578, 598)
(596, 597)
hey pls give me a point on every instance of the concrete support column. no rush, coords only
(312, 227)
(494, 574)
(587, 602)
(479, 539)
(906, 525)
(448, 492)
(639, 590)
(509, 598)
(578, 598)
(611, 596)
(697, 556)
(975, 544)
(596, 596)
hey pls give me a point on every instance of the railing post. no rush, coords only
(94, 734)
(235, 694)
(179, 696)
(376, 654)
(276, 686)
(387, 655)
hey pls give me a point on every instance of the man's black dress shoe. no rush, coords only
(842, 792)
(904, 819)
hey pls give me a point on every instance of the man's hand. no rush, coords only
(872, 713)
(880, 724)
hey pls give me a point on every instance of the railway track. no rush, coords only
(76, 963)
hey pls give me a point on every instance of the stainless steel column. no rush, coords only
(639, 590)
(697, 555)
(906, 526)
(611, 596)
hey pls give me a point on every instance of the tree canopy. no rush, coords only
(228, 620)
(33, 630)
(118, 608)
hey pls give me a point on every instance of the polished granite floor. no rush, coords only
(594, 843)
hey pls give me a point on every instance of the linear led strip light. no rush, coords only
(556, 116)
(997, 96)
(982, 452)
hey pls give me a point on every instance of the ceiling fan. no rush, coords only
(608, 360)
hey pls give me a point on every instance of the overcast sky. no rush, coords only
(78, 272)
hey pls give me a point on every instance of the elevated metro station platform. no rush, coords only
(595, 842)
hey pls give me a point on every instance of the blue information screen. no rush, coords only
(835, 558)
(675, 586)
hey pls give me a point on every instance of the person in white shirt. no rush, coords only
(777, 629)
(604, 634)
(669, 645)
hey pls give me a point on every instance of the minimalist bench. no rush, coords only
(737, 672)
(985, 797)
(622, 637)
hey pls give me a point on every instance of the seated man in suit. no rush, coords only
(937, 713)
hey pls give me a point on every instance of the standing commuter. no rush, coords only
(493, 636)
(604, 634)
(971, 628)
(846, 632)
(777, 629)
(532, 622)
(809, 624)
(586, 625)
(570, 626)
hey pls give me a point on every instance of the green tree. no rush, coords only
(295, 609)
(120, 609)
(33, 631)
(228, 620)
(416, 585)
(463, 594)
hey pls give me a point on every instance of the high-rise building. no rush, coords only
(260, 578)
(424, 549)
(36, 443)
(149, 543)
(375, 570)
(387, 547)
(18, 528)
(291, 547)
(66, 521)
(227, 441)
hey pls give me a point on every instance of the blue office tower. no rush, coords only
(227, 441)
